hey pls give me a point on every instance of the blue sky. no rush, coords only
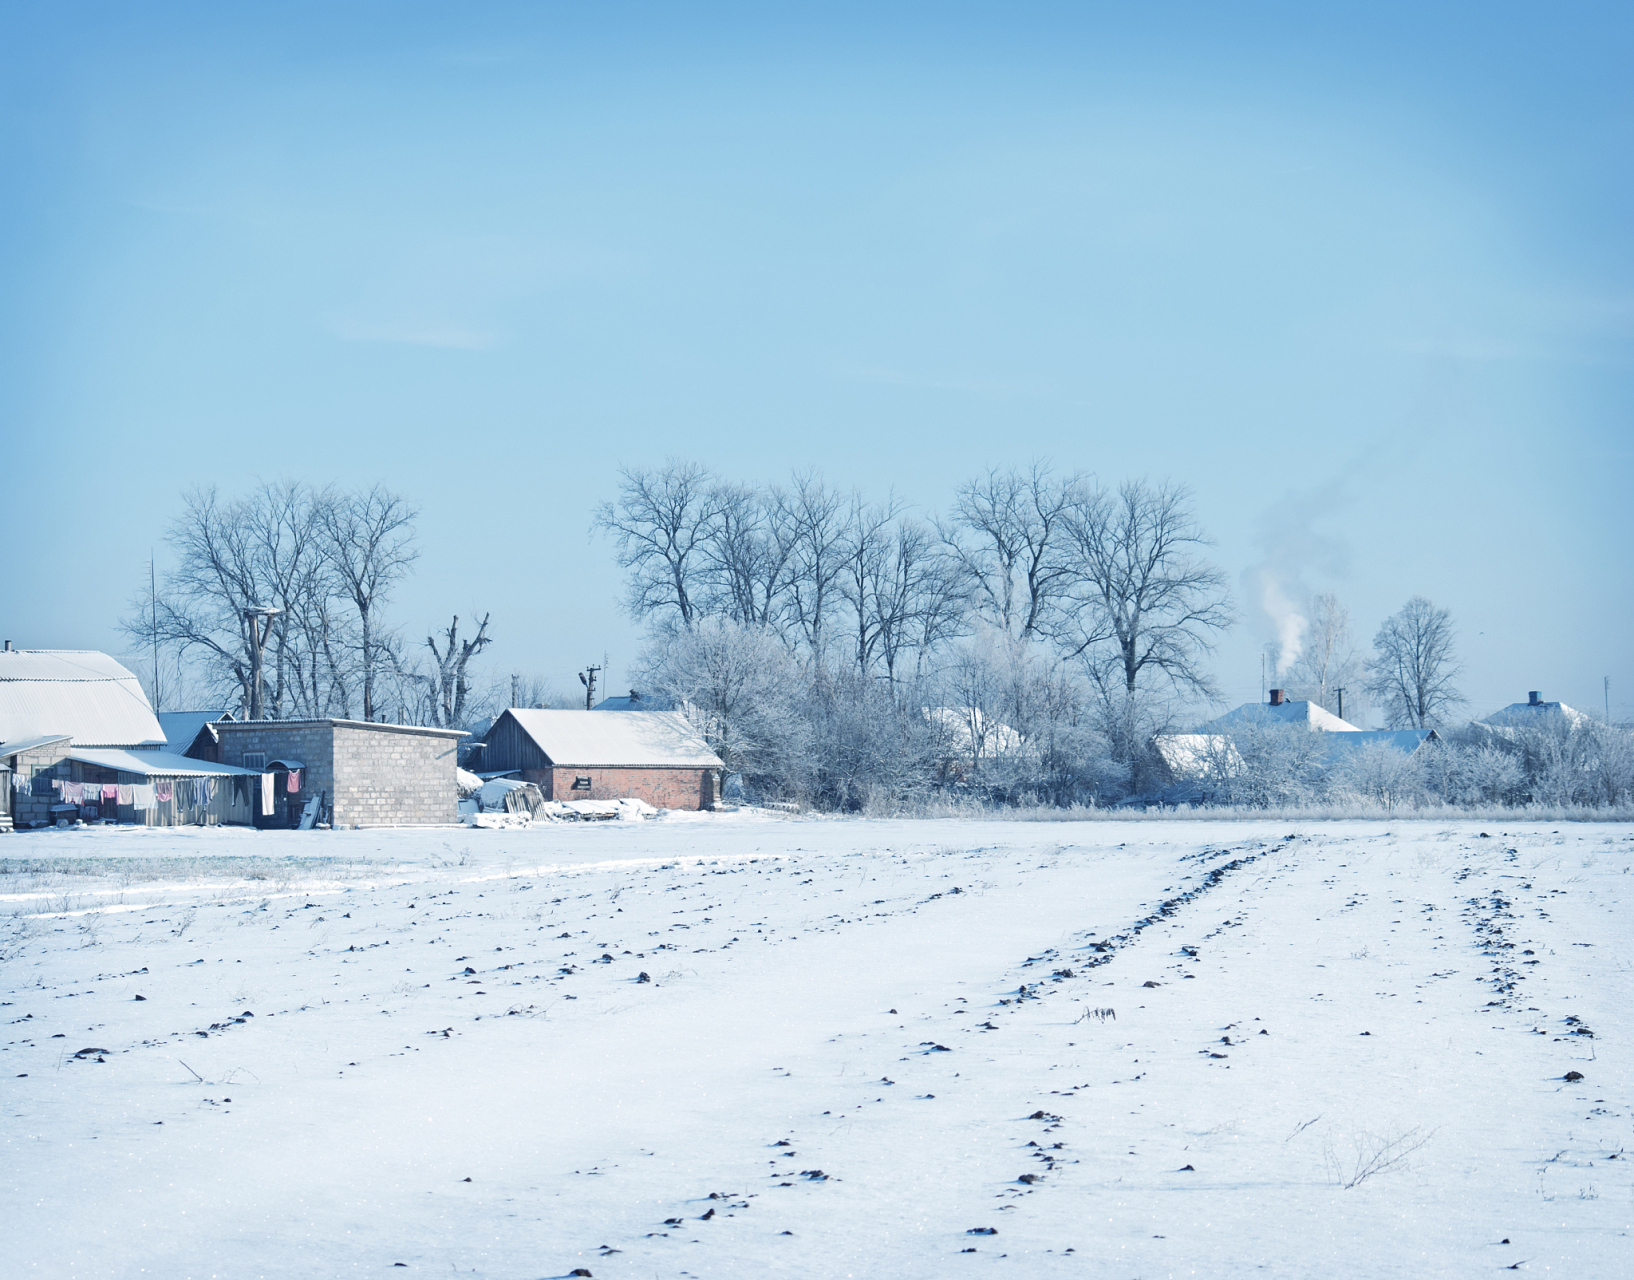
(1360, 275)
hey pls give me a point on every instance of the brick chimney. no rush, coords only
(1276, 697)
(1534, 699)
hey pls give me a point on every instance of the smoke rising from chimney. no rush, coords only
(1292, 547)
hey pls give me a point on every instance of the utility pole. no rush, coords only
(258, 644)
(1608, 698)
(1341, 694)
(587, 678)
(153, 604)
(516, 681)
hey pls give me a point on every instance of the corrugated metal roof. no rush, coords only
(74, 691)
(160, 764)
(181, 727)
(1309, 714)
(629, 739)
(29, 744)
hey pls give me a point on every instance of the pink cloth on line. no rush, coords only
(110, 791)
(294, 783)
(162, 791)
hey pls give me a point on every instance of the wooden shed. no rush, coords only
(654, 756)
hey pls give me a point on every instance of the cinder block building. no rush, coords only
(654, 756)
(364, 774)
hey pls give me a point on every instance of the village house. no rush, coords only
(79, 742)
(654, 756)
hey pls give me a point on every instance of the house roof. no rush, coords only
(29, 744)
(1405, 741)
(157, 764)
(630, 739)
(1309, 714)
(182, 727)
(1517, 715)
(75, 691)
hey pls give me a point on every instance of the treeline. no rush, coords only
(846, 651)
(1029, 646)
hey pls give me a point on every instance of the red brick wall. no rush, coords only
(661, 788)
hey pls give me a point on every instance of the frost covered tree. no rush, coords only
(744, 691)
(1414, 666)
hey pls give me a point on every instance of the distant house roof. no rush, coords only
(1405, 741)
(159, 764)
(75, 691)
(631, 702)
(1195, 756)
(1518, 715)
(1309, 714)
(586, 738)
(965, 725)
(182, 727)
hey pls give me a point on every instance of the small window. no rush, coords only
(581, 783)
(255, 760)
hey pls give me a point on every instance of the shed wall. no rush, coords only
(392, 776)
(662, 788)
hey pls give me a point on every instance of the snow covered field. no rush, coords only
(872, 1049)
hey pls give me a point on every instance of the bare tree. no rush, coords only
(1414, 667)
(662, 523)
(262, 550)
(1145, 607)
(1006, 532)
(816, 515)
(748, 555)
(452, 684)
(1328, 661)
(370, 544)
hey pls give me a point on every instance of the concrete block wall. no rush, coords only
(48, 761)
(373, 774)
(309, 741)
(394, 775)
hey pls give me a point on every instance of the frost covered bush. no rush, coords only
(1379, 774)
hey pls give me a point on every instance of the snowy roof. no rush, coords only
(965, 724)
(161, 764)
(1405, 741)
(75, 691)
(1309, 714)
(29, 744)
(1195, 755)
(623, 702)
(633, 738)
(181, 727)
(1518, 715)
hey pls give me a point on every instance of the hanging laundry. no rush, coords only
(143, 797)
(268, 782)
(294, 783)
(124, 794)
(201, 792)
(110, 791)
(162, 790)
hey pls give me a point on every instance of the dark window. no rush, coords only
(581, 783)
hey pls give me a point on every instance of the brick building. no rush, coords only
(654, 756)
(363, 774)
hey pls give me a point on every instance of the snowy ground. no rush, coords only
(866, 1049)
